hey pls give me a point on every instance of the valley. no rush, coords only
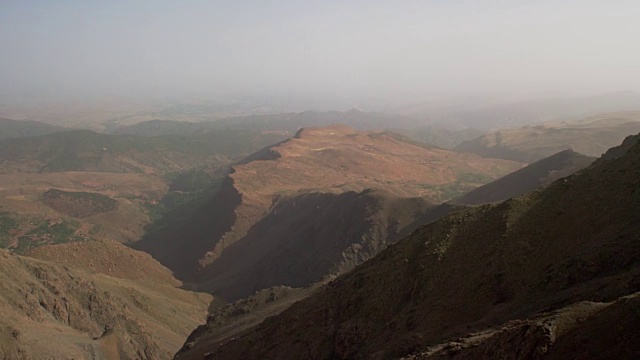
(247, 229)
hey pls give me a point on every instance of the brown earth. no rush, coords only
(24, 198)
(319, 169)
(591, 136)
(52, 312)
(504, 266)
(108, 258)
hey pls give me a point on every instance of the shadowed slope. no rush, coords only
(305, 238)
(531, 177)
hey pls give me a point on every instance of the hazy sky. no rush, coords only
(413, 49)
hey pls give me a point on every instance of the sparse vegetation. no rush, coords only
(47, 232)
(7, 224)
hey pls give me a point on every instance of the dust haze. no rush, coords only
(330, 54)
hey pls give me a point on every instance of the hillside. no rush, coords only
(287, 122)
(50, 208)
(293, 244)
(79, 185)
(531, 177)
(11, 129)
(51, 311)
(537, 276)
(439, 136)
(83, 150)
(108, 258)
(276, 204)
(591, 136)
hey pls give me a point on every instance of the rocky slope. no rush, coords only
(277, 204)
(543, 275)
(108, 258)
(591, 136)
(531, 177)
(54, 312)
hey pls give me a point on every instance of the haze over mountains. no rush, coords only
(255, 210)
(591, 136)
(319, 180)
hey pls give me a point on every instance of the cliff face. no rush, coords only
(537, 276)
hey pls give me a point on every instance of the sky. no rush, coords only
(389, 49)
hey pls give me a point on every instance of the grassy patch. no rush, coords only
(7, 223)
(49, 232)
(464, 183)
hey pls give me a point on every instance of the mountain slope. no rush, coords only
(440, 136)
(576, 240)
(53, 312)
(591, 136)
(288, 122)
(83, 150)
(293, 246)
(11, 129)
(531, 177)
(304, 177)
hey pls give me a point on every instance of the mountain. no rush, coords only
(11, 129)
(84, 150)
(531, 177)
(440, 136)
(125, 306)
(288, 122)
(591, 136)
(489, 114)
(343, 194)
(550, 274)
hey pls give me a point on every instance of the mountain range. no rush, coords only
(320, 242)
(590, 136)
(549, 274)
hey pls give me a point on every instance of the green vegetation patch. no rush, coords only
(464, 183)
(47, 232)
(7, 224)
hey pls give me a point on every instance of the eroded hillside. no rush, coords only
(99, 307)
